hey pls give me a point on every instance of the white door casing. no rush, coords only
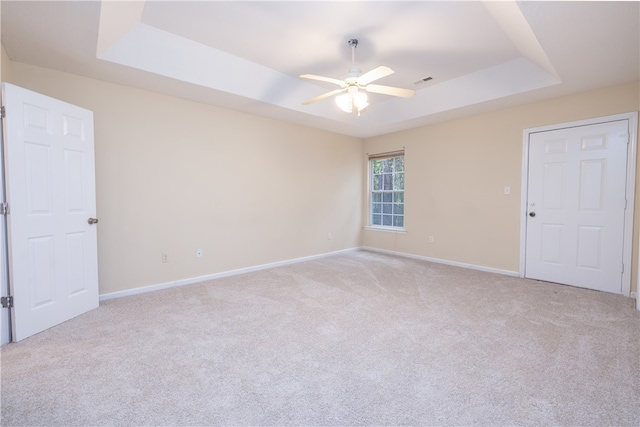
(50, 182)
(4, 274)
(578, 180)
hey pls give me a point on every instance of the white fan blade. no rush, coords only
(373, 75)
(388, 90)
(323, 79)
(323, 96)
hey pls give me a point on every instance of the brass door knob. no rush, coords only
(531, 214)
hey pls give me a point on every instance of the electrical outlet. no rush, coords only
(165, 257)
(199, 253)
(431, 239)
(507, 190)
(329, 236)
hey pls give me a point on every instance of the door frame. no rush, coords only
(5, 318)
(632, 117)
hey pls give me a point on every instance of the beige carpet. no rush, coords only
(356, 339)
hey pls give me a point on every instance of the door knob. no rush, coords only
(92, 221)
(531, 214)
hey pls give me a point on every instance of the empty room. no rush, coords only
(319, 213)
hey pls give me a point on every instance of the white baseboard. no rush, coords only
(444, 261)
(192, 280)
(634, 295)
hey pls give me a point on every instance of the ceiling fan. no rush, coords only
(355, 83)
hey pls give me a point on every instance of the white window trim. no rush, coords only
(369, 226)
(387, 229)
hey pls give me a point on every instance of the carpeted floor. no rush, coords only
(356, 339)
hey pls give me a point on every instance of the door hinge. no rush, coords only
(4, 208)
(3, 112)
(7, 302)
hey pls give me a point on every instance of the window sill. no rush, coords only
(386, 229)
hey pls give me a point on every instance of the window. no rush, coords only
(387, 190)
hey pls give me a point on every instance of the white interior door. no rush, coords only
(576, 205)
(50, 181)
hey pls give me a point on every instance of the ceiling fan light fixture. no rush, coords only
(352, 100)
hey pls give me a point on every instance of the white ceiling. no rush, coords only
(248, 55)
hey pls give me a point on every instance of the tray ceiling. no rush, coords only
(248, 55)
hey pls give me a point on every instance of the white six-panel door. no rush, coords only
(50, 179)
(576, 205)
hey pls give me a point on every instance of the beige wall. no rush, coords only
(174, 176)
(5, 66)
(457, 171)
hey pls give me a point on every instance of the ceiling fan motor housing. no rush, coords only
(352, 76)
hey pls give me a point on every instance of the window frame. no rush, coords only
(370, 192)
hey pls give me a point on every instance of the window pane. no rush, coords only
(377, 182)
(388, 165)
(386, 208)
(398, 197)
(387, 180)
(398, 221)
(376, 197)
(387, 197)
(386, 220)
(376, 166)
(376, 208)
(399, 164)
(376, 219)
(398, 209)
(398, 181)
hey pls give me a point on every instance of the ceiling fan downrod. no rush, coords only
(354, 72)
(354, 44)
